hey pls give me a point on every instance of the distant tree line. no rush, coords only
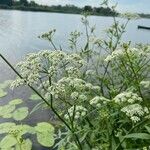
(25, 5)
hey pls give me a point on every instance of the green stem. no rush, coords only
(55, 112)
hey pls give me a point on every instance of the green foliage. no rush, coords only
(20, 113)
(34, 97)
(15, 101)
(8, 141)
(14, 135)
(3, 86)
(99, 92)
(2, 93)
(45, 133)
(144, 136)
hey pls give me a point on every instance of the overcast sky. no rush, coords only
(123, 5)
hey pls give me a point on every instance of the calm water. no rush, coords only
(19, 30)
(18, 36)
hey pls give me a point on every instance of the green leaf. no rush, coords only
(36, 107)
(10, 148)
(25, 145)
(8, 141)
(44, 126)
(5, 84)
(139, 136)
(15, 101)
(6, 110)
(45, 139)
(45, 134)
(2, 93)
(20, 113)
(25, 129)
(148, 129)
(6, 127)
(7, 116)
(34, 97)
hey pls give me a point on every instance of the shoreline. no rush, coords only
(36, 9)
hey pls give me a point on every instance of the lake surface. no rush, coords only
(18, 36)
(19, 30)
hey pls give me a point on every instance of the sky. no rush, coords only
(139, 6)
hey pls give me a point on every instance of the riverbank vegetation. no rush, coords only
(32, 6)
(99, 92)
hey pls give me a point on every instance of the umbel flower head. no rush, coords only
(77, 112)
(135, 112)
(127, 98)
(98, 101)
(47, 63)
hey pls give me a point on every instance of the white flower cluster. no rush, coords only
(78, 87)
(135, 111)
(77, 112)
(98, 101)
(145, 84)
(49, 35)
(77, 84)
(83, 97)
(130, 51)
(127, 97)
(76, 95)
(55, 89)
(47, 63)
(73, 72)
(130, 16)
(114, 54)
(75, 60)
(90, 72)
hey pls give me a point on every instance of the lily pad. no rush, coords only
(5, 84)
(6, 109)
(45, 139)
(20, 113)
(8, 141)
(2, 93)
(34, 97)
(6, 127)
(45, 134)
(25, 129)
(7, 116)
(15, 101)
(25, 145)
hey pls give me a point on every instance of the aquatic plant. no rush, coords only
(98, 92)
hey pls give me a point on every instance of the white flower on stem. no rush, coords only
(77, 112)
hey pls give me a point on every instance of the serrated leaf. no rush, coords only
(45, 134)
(139, 136)
(34, 97)
(2, 93)
(20, 113)
(15, 101)
(8, 141)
